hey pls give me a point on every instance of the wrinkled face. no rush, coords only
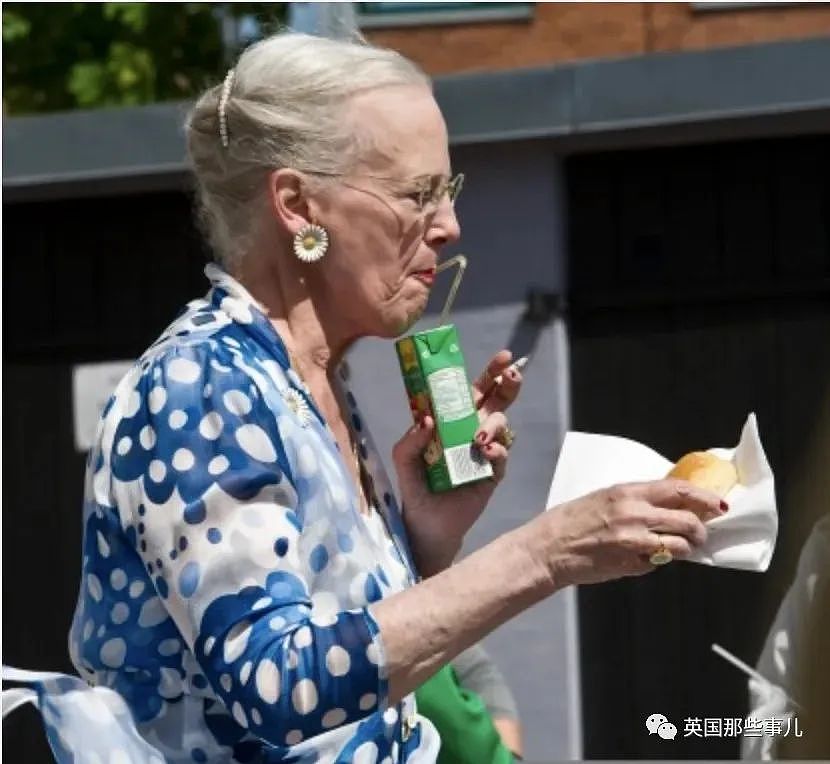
(383, 246)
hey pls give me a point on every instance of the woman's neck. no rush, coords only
(313, 342)
(314, 345)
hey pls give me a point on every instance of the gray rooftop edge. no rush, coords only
(144, 146)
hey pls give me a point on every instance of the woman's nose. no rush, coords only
(444, 227)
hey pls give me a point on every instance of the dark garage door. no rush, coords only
(83, 281)
(700, 291)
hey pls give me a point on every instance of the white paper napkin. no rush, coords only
(743, 538)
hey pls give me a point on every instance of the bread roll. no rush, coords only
(706, 471)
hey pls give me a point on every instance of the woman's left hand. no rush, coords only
(436, 523)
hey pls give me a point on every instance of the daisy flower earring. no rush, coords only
(311, 243)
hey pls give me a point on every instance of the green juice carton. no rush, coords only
(436, 382)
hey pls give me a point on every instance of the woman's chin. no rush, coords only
(395, 326)
(413, 316)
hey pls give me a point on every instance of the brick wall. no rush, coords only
(569, 31)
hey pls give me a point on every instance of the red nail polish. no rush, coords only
(724, 507)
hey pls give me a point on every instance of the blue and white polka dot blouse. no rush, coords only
(225, 610)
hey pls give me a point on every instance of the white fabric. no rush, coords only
(744, 538)
(783, 646)
(16, 697)
(80, 718)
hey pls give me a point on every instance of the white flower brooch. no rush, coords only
(298, 405)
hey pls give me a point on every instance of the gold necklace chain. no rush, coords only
(363, 494)
(366, 490)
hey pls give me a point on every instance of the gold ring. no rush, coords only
(506, 437)
(661, 556)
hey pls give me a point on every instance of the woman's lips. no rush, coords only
(426, 276)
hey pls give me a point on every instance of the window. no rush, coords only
(729, 5)
(372, 15)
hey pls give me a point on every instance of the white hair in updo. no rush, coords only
(283, 105)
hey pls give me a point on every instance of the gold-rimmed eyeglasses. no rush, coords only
(432, 190)
(426, 191)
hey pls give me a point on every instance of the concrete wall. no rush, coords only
(515, 241)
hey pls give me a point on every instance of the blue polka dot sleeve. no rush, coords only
(233, 509)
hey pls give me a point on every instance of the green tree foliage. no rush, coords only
(59, 56)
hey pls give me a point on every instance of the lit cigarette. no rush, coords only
(517, 365)
(750, 672)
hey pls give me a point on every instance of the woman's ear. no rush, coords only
(288, 197)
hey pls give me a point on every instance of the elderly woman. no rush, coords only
(252, 588)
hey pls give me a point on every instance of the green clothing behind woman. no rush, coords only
(468, 735)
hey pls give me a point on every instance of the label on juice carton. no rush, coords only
(436, 382)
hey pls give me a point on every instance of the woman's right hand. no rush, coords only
(611, 533)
